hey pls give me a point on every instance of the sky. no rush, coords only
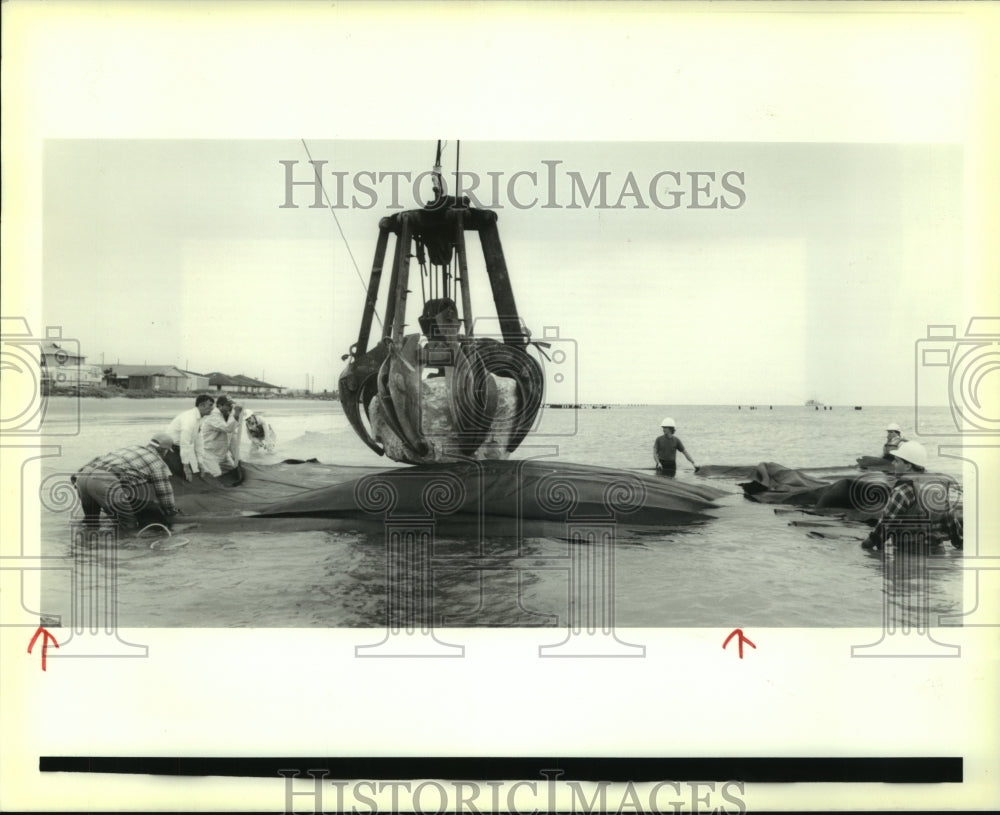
(753, 273)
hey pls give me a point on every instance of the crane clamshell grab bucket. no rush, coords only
(442, 394)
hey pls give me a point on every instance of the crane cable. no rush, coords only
(333, 212)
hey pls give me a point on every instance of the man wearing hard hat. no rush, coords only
(666, 447)
(918, 496)
(132, 485)
(893, 438)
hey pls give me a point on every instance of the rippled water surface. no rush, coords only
(749, 565)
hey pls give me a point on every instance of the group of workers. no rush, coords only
(667, 446)
(132, 485)
(207, 438)
(916, 495)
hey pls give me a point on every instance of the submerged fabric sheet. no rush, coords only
(751, 470)
(860, 497)
(771, 477)
(875, 463)
(261, 485)
(520, 489)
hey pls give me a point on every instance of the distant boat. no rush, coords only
(857, 407)
(814, 403)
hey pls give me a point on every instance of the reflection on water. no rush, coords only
(914, 596)
(747, 566)
(418, 584)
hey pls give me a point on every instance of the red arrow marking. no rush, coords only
(46, 638)
(739, 632)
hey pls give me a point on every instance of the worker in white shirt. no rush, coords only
(188, 456)
(221, 431)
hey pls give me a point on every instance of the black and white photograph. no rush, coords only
(406, 385)
(541, 386)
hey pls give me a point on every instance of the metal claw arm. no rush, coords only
(391, 371)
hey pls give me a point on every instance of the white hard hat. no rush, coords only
(894, 426)
(912, 452)
(668, 422)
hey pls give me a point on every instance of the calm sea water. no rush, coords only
(748, 566)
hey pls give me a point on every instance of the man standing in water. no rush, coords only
(921, 498)
(665, 450)
(893, 438)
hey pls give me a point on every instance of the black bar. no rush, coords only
(463, 270)
(503, 294)
(898, 770)
(371, 297)
(400, 280)
(390, 302)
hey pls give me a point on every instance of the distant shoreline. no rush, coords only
(112, 392)
(105, 392)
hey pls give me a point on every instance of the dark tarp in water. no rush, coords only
(726, 471)
(859, 497)
(875, 463)
(856, 500)
(750, 470)
(769, 477)
(312, 495)
(863, 496)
